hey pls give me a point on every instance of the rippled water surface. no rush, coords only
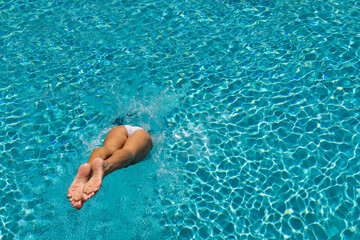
(253, 107)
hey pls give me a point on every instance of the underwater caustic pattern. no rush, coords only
(269, 132)
(253, 107)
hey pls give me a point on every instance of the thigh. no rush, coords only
(116, 138)
(139, 144)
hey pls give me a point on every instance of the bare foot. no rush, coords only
(94, 184)
(76, 188)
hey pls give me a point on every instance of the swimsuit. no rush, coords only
(131, 129)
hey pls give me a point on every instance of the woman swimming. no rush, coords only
(124, 145)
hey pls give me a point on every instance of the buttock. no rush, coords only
(131, 129)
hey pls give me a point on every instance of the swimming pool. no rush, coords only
(253, 107)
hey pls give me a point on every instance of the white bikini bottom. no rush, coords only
(131, 129)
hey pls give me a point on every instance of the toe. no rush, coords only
(78, 205)
(84, 197)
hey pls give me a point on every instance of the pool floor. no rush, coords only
(252, 106)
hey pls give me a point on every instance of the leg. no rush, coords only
(137, 146)
(118, 151)
(135, 149)
(94, 168)
(114, 141)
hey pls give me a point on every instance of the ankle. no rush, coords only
(106, 168)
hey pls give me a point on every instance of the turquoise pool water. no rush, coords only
(253, 107)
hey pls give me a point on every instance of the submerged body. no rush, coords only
(123, 146)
